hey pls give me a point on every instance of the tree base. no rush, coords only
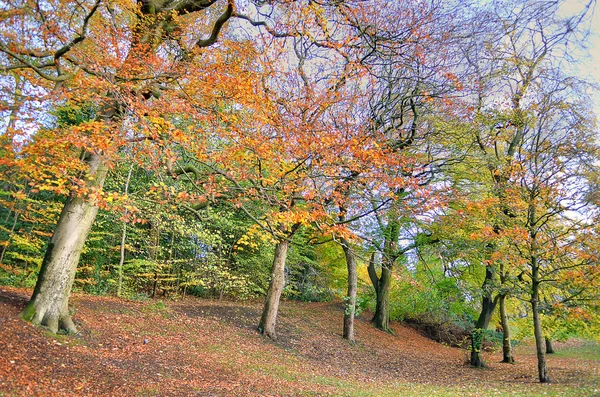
(266, 333)
(476, 361)
(54, 320)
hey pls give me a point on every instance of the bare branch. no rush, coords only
(217, 27)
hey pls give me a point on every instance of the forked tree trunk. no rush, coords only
(487, 309)
(49, 304)
(383, 283)
(381, 319)
(507, 356)
(269, 315)
(540, 347)
(549, 347)
(350, 299)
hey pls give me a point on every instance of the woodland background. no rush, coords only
(434, 163)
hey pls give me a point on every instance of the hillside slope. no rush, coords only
(210, 348)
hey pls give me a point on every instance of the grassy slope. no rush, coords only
(208, 348)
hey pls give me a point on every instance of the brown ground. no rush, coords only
(210, 348)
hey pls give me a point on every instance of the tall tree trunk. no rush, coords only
(549, 347)
(12, 118)
(153, 253)
(350, 299)
(269, 315)
(123, 237)
(487, 309)
(537, 323)
(507, 355)
(10, 235)
(121, 260)
(49, 303)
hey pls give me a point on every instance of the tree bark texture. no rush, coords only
(549, 346)
(507, 355)
(350, 300)
(269, 315)
(383, 283)
(49, 303)
(488, 304)
(540, 345)
(381, 319)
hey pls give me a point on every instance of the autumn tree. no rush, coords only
(554, 162)
(124, 58)
(510, 52)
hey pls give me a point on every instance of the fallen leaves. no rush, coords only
(211, 348)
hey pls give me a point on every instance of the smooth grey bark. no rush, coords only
(268, 319)
(507, 354)
(49, 303)
(350, 299)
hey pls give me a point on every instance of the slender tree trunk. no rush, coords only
(49, 304)
(269, 315)
(10, 234)
(155, 284)
(507, 355)
(123, 238)
(8, 214)
(121, 260)
(549, 347)
(487, 309)
(350, 299)
(537, 323)
(153, 253)
(12, 118)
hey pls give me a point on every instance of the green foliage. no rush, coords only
(26, 222)
(75, 113)
(428, 292)
(215, 280)
(306, 278)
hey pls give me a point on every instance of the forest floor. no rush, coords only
(195, 347)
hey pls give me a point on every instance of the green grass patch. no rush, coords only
(587, 350)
